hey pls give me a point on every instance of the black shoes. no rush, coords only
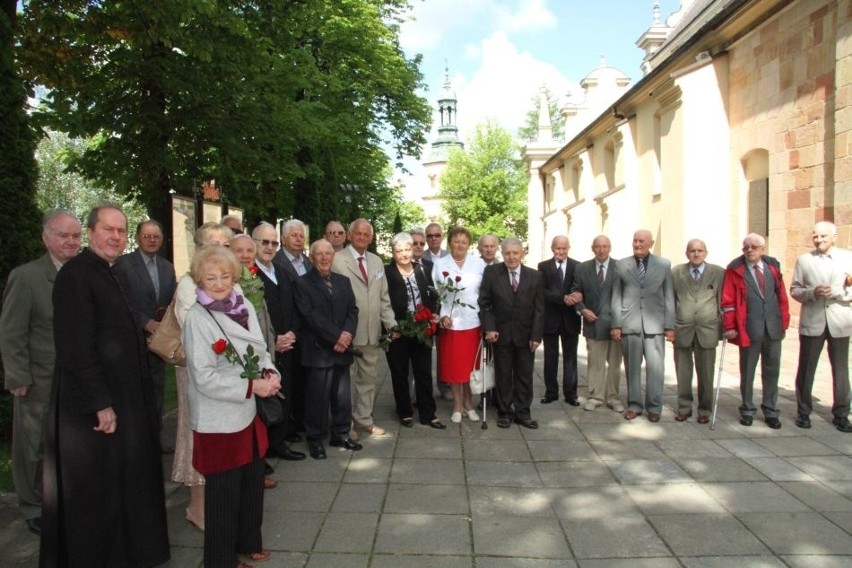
(346, 444)
(407, 422)
(746, 420)
(317, 451)
(34, 525)
(437, 425)
(291, 455)
(528, 423)
(548, 398)
(503, 422)
(573, 402)
(842, 424)
(803, 421)
(773, 423)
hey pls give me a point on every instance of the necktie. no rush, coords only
(514, 281)
(600, 274)
(761, 280)
(640, 268)
(695, 274)
(363, 269)
(155, 276)
(561, 272)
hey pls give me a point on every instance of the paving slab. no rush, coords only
(575, 474)
(436, 499)
(798, 533)
(630, 472)
(424, 534)
(706, 535)
(666, 499)
(614, 537)
(528, 537)
(753, 497)
(719, 469)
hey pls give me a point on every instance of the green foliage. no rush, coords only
(484, 187)
(282, 103)
(529, 130)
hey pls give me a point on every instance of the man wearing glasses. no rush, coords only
(150, 287)
(434, 236)
(755, 314)
(336, 235)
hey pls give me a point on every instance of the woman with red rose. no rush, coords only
(228, 366)
(413, 306)
(457, 276)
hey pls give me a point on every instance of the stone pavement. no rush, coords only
(587, 489)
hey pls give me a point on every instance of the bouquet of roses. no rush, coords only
(250, 362)
(252, 286)
(449, 288)
(418, 324)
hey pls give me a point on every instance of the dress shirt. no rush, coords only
(268, 270)
(298, 262)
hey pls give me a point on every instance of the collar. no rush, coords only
(355, 254)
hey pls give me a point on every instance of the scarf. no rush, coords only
(232, 306)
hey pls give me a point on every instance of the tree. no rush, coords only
(282, 102)
(484, 187)
(529, 131)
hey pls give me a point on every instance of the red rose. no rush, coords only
(433, 327)
(420, 316)
(253, 269)
(458, 278)
(220, 346)
(419, 307)
(445, 273)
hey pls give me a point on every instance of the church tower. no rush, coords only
(436, 161)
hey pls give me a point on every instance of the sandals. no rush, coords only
(260, 556)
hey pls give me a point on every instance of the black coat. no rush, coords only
(517, 316)
(325, 315)
(559, 318)
(104, 502)
(399, 295)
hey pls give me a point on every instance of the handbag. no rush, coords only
(482, 375)
(269, 409)
(165, 342)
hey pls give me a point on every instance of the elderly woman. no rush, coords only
(457, 276)
(182, 470)
(408, 287)
(220, 333)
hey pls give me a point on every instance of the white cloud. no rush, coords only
(531, 16)
(433, 20)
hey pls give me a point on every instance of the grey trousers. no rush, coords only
(635, 347)
(704, 361)
(27, 451)
(810, 348)
(769, 353)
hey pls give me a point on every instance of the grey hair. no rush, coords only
(401, 238)
(511, 241)
(55, 214)
(262, 225)
(290, 225)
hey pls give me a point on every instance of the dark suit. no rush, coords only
(326, 313)
(518, 318)
(561, 322)
(604, 355)
(26, 343)
(643, 308)
(697, 330)
(281, 306)
(149, 305)
(405, 351)
(283, 261)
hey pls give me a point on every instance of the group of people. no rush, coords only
(260, 319)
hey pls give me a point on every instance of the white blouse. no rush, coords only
(467, 316)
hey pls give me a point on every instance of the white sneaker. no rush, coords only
(591, 404)
(617, 406)
(472, 415)
(456, 417)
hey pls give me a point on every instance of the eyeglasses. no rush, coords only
(268, 243)
(150, 236)
(418, 243)
(752, 247)
(433, 235)
(336, 233)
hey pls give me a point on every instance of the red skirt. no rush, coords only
(215, 453)
(457, 354)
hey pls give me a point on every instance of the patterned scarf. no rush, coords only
(232, 306)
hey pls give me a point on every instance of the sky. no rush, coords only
(501, 52)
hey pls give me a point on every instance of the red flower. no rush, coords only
(445, 274)
(458, 278)
(429, 331)
(253, 269)
(220, 346)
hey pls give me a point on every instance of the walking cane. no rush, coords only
(718, 384)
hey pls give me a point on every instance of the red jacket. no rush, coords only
(734, 294)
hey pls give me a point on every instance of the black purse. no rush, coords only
(270, 409)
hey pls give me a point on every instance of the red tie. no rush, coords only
(761, 280)
(363, 269)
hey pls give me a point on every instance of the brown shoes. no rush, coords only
(683, 417)
(630, 415)
(653, 417)
(702, 419)
(269, 483)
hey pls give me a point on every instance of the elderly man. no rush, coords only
(233, 222)
(26, 345)
(336, 235)
(698, 290)
(755, 315)
(511, 304)
(278, 293)
(330, 315)
(487, 247)
(104, 502)
(561, 322)
(642, 317)
(593, 281)
(292, 257)
(434, 236)
(367, 276)
(150, 286)
(822, 282)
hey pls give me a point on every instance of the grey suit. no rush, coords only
(643, 308)
(604, 355)
(697, 331)
(26, 344)
(148, 305)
